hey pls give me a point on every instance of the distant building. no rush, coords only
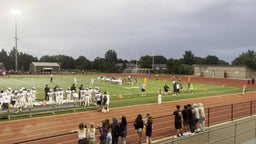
(160, 68)
(128, 67)
(44, 68)
(232, 72)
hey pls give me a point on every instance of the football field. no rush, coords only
(120, 95)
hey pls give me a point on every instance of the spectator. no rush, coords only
(149, 127)
(103, 132)
(107, 124)
(196, 113)
(138, 125)
(115, 130)
(201, 121)
(177, 121)
(82, 139)
(145, 121)
(253, 81)
(92, 134)
(185, 120)
(191, 119)
(123, 127)
(109, 137)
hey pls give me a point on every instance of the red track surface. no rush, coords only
(36, 128)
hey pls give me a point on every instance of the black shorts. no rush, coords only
(98, 102)
(177, 125)
(185, 122)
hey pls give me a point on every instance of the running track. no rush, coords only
(36, 128)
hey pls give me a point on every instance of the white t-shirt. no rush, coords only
(92, 132)
(81, 134)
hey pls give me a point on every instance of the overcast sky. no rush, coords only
(133, 28)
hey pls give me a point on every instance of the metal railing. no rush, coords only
(214, 116)
(235, 132)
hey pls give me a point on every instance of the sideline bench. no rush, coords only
(44, 109)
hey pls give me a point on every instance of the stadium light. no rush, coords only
(16, 13)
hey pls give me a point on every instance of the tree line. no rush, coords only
(108, 63)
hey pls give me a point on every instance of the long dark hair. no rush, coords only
(139, 118)
(123, 121)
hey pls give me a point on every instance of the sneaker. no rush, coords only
(186, 134)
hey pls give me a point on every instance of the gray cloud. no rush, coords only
(132, 28)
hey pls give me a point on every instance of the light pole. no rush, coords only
(153, 60)
(16, 12)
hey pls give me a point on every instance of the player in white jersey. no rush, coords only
(57, 96)
(68, 95)
(6, 101)
(61, 96)
(108, 101)
(18, 102)
(98, 100)
(14, 98)
(87, 97)
(29, 98)
(50, 95)
(1, 98)
(82, 96)
(22, 97)
(33, 94)
(90, 92)
(75, 96)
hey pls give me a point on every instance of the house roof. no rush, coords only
(45, 64)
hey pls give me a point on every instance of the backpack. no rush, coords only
(116, 130)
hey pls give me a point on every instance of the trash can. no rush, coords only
(159, 98)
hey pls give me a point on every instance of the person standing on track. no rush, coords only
(185, 120)
(92, 134)
(177, 121)
(123, 127)
(115, 130)
(149, 128)
(191, 119)
(138, 125)
(82, 135)
(201, 122)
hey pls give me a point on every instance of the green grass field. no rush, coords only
(131, 93)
